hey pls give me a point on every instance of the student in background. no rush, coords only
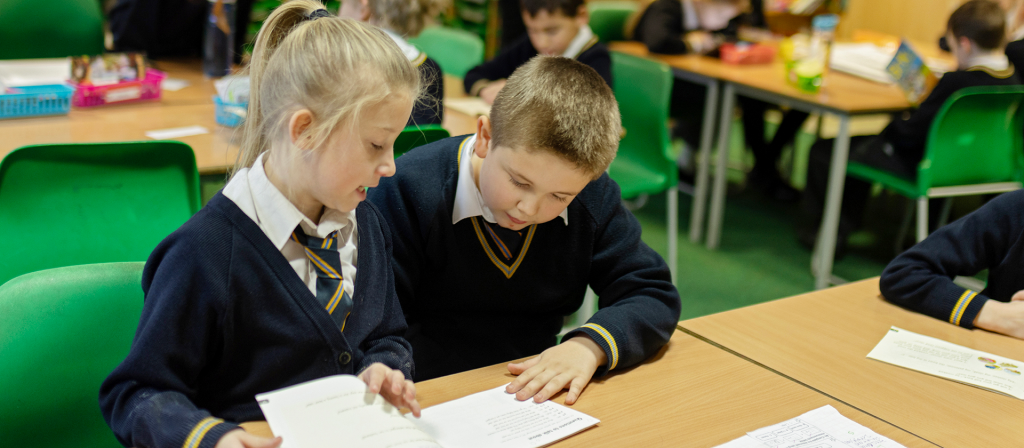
(401, 19)
(700, 26)
(259, 290)
(170, 28)
(992, 237)
(1014, 31)
(553, 28)
(498, 234)
(975, 33)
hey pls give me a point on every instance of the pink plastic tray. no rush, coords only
(124, 92)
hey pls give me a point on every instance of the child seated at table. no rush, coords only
(992, 237)
(498, 234)
(976, 36)
(553, 28)
(700, 26)
(259, 290)
(402, 19)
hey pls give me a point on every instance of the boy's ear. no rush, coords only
(582, 15)
(483, 136)
(967, 46)
(300, 121)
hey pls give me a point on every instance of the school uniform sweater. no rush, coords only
(908, 136)
(594, 54)
(225, 318)
(1015, 53)
(468, 305)
(661, 27)
(992, 237)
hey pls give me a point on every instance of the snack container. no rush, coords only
(746, 53)
(229, 114)
(32, 101)
(122, 92)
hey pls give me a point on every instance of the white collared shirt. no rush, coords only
(578, 43)
(691, 22)
(261, 201)
(468, 201)
(409, 50)
(995, 60)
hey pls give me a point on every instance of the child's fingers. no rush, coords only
(517, 368)
(373, 377)
(397, 380)
(575, 389)
(552, 387)
(251, 441)
(526, 372)
(413, 406)
(535, 385)
(1019, 295)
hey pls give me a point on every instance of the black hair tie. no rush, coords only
(318, 14)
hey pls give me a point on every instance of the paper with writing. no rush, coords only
(950, 361)
(824, 427)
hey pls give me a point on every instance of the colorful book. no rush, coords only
(910, 72)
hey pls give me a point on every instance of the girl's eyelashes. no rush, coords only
(516, 183)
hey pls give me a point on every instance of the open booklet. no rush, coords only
(950, 361)
(911, 73)
(820, 428)
(341, 411)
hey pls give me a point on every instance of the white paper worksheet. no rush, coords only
(950, 361)
(824, 427)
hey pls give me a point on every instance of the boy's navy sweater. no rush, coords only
(595, 55)
(909, 135)
(430, 109)
(225, 318)
(464, 312)
(992, 237)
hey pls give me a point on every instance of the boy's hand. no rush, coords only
(392, 385)
(571, 363)
(1002, 317)
(700, 42)
(490, 91)
(238, 438)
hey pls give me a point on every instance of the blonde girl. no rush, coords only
(402, 19)
(259, 290)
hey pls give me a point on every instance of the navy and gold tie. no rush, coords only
(330, 290)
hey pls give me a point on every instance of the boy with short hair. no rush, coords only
(976, 36)
(497, 236)
(553, 28)
(921, 279)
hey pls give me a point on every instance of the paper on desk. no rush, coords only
(822, 427)
(34, 72)
(164, 134)
(950, 361)
(174, 84)
(865, 60)
(494, 418)
(472, 106)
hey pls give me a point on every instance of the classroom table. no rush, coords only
(842, 95)
(690, 394)
(821, 339)
(215, 152)
(704, 71)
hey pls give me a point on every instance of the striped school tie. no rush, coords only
(330, 291)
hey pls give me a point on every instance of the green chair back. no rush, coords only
(976, 138)
(50, 29)
(412, 137)
(644, 163)
(456, 51)
(62, 331)
(608, 18)
(63, 205)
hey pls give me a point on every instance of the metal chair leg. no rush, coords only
(922, 219)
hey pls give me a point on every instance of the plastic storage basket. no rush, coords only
(122, 92)
(229, 114)
(31, 101)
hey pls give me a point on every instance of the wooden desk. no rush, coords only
(692, 394)
(193, 105)
(821, 339)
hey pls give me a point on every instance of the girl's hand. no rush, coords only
(570, 364)
(392, 385)
(238, 438)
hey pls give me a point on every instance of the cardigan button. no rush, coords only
(345, 358)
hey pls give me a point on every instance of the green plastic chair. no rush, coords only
(62, 331)
(50, 29)
(974, 147)
(456, 51)
(412, 137)
(607, 19)
(62, 205)
(644, 164)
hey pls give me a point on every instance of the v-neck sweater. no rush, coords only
(225, 318)
(468, 306)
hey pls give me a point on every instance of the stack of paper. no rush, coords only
(865, 60)
(820, 428)
(34, 72)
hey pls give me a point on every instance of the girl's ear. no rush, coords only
(483, 136)
(298, 124)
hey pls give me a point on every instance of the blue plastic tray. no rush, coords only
(229, 114)
(31, 101)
